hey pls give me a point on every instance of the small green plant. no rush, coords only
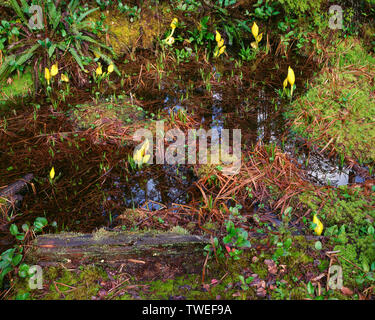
(132, 12)
(282, 249)
(67, 36)
(202, 35)
(188, 5)
(247, 54)
(265, 9)
(11, 258)
(183, 55)
(245, 282)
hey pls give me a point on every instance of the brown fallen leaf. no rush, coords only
(261, 292)
(271, 265)
(346, 291)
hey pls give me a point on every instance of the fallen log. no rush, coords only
(11, 197)
(145, 255)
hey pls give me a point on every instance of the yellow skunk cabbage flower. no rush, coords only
(221, 51)
(319, 225)
(255, 30)
(217, 37)
(258, 37)
(99, 70)
(64, 78)
(52, 173)
(47, 75)
(220, 43)
(110, 68)
(220, 48)
(174, 23)
(291, 79)
(140, 157)
(169, 40)
(291, 76)
(54, 70)
(285, 83)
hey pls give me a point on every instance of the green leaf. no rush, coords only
(4, 272)
(54, 15)
(249, 280)
(13, 230)
(8, 255)
(20, 236)
(23, 270)
(19, 12)
(27, 55)
(77, 57)
(288, 210)
(40, 222)
(51, 50)
(23, 296)
(310, 288)
(288, 243)
(16, 259)
(242, 279)
(84, 15)
(318, 245)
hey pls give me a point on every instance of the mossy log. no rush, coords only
(139, 254)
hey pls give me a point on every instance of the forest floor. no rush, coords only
(306, 154)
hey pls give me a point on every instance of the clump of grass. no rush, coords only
(338, 110)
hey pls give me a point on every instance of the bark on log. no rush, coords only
(145, 255)
(11, 197)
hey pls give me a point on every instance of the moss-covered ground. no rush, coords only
(337, 112)
(263, 243)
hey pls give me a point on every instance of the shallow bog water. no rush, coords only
(94, 199)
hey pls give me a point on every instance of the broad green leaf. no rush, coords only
(51, 50)
(13, 230)
(19, 11)
(84, 15)
(16, 259)
(318, 245)
(77, 57)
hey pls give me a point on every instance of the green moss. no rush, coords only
(348, 216)
(125, 36)
(260, 269)
(301, 7)
(85, 284)
(179, 230)
(64, 284)
(91, 115)
(298, 293)
(341, 103)
(19, 87)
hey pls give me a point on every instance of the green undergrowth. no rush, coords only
(348, 216)
(60, 283)
(20, 86)
(224, 278)
(339, 108)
